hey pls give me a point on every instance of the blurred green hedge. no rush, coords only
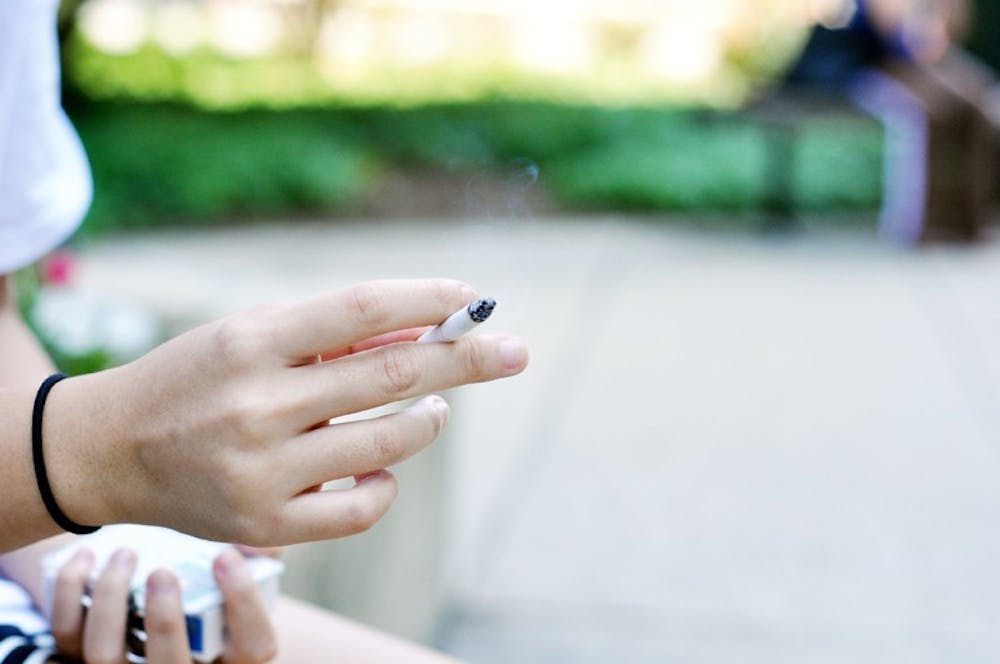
(160, 163)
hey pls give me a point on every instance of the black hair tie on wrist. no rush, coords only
(41, 476)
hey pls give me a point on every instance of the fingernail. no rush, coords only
(123, 559)
(513, 355)
(163, 583)
(439, 405)
(229, 561)
(83, 555)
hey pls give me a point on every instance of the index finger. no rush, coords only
(366, 310)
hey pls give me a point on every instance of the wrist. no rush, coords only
(85, 451)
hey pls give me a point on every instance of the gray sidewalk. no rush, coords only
(725, 449)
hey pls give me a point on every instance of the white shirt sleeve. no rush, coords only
(45, 185)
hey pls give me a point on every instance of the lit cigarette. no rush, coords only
(460, 322)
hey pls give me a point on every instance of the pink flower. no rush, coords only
(57, 269)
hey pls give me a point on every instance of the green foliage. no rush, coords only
(78, 365)
(161, 163)
(680, 165)
(71, 364)
(156, 163)
(839, 165)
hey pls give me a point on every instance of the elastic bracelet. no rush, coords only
(41, 476)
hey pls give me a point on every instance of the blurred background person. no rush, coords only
(899, 60)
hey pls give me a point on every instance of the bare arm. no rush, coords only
(22, 361)
(306, 633)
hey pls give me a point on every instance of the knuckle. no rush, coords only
(386, 444)
(369, 304)
(237, 338)
(359, 516)
(245, 414)
(262, 325)
(474, 361)
(399, 372)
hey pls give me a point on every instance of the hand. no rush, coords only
(224, 431)
(98, 636)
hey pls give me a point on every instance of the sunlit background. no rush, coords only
(303, 107)
(225, 53)
(751, 432)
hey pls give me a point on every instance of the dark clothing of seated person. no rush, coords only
(897, 62)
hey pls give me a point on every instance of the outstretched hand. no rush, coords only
(225, 433)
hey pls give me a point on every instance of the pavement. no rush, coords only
(727, 447)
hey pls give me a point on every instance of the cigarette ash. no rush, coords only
(480, 310)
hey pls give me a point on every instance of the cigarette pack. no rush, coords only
(190, 559)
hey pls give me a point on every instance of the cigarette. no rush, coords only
(460, 322)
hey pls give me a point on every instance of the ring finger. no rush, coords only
(356, 448)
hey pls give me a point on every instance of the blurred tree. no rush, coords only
(68, 12)
(304, 22)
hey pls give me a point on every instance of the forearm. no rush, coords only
(23, 364)
(78, 432)
(24, 567)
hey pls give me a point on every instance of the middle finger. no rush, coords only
(400, 371)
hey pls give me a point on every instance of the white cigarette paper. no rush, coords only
(460, 322)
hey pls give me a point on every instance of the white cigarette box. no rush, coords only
(189, 558)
